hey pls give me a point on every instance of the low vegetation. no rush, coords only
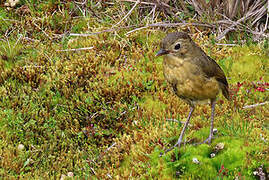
(105, 111)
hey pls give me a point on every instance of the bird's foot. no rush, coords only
(171, 148)
(208, 141)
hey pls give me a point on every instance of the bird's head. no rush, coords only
(177, 44)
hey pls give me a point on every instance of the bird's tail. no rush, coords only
(225, 91)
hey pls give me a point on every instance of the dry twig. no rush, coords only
(78, 49)
(255, 105)
(131, 10)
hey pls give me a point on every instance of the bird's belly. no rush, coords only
(190, 83)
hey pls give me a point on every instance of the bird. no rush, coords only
(193, 75)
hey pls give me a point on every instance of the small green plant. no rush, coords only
(10, 49)
(226, 64)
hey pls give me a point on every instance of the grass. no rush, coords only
(102, 112)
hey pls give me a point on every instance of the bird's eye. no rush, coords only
(177, 46)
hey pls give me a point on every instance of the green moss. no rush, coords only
(230, 162)
(247, 67)
(249, 63)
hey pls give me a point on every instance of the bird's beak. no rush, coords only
(162, 52)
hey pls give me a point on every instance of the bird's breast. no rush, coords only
(179, 69)
(188, 80)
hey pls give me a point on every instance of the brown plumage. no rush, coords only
(193, 75)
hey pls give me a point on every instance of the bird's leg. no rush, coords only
(209, 139)
(182, 132)
(213, 104)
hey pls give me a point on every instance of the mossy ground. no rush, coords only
(69, 108)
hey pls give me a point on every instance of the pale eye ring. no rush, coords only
(177, 46)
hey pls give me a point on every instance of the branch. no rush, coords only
(131, 10)
(255, 105)
(79, 49)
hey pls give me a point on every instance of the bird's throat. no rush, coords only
(173, 61)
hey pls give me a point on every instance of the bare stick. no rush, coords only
(93, 171)
(30, 39)
(79, 49)
(32, 66)
(100, 32)
(20, 36)
(174, 120)
(137, 2)
(151, 12)
(136, 29)
(42, 31)
(255, 105)
(143, 27)
(169, 25)
(266, 23)
(221, 44)
(102, 154)
(179, 24)
(82, 35)
(243, 27)
(147, 3)
(114, 144)
(248, 15)
(108, 175)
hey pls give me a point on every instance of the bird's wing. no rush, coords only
(211, 69)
